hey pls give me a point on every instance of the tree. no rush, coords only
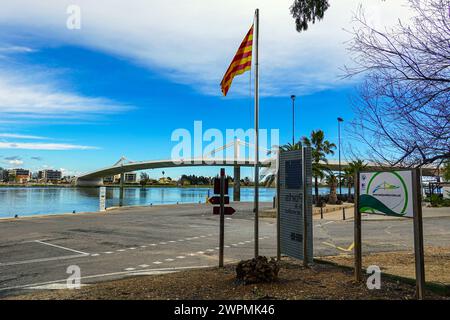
(332, 181)
(447, 170)
(320, 149)
(144, 179)
(402, 108)
(306, 11)
(291, 147)
(349, 173)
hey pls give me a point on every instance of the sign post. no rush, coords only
(222, 216)
(221, 199)
(102, 199)
(392, 193)
(295, 205)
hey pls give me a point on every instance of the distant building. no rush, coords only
(109, 179)
(3, 175)
(130, 177)
(50, 175)
(19, 175)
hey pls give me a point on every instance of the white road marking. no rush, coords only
(94, 255)
(163, 243)
(172, 241)
(202, 236)
(107, 252)
(247, 241)
(234, 245)
(210, 250)
(200, 252)
(181, 240)
(169, 260)
(217, 248)
(130, 269)
(157, 262)
(241, 243)
(150, 271)
(153, 244)
(60, 247)
(121, 250)
(42, 260)
(227, 246)
(144, 266)
(132, 248)
(181, 257)
(192, 254)
(143, 246)
(54, 286)
(210, 235)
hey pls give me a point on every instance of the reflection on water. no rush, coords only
(35, 201)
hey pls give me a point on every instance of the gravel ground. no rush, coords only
(437, 263)
(321, 281)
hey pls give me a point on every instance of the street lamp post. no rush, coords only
(293, 120)
(339, 119)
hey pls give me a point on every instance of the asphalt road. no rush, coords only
(36, 252)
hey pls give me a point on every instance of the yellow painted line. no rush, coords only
(349, 249)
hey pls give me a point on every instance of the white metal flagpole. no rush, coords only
(256, 201)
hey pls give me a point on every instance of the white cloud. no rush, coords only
(21, 136)
(15, 162)
(40, 98)
(43, 146)
(194, 41)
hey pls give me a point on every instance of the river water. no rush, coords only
(54, 200)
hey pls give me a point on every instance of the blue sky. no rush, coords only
(80, 99)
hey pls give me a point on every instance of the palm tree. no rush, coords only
(332, 181)
(291, 147)
(349, 173)
(320, 149)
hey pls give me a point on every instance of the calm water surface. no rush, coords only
(38, 201)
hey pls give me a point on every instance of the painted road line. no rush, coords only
(130, 269)
(156, 271)
(181, 240)
(94, 255)
(144, 266)
(42, 260)
(169, 260)
(192, 254)
(200, 252)
(153, 244)
(60, 247)
(210, 250)
(133, 248)
(143, 246)
(157, 262)
(181, 257)
(202, 236)
(121, 250)
(107, 252)
(172, 241)
(163, 243)
(349, 249)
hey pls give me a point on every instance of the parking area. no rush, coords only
(35, 253)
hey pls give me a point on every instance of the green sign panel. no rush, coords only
(387, 193)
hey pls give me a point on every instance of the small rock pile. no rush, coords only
(257, 270)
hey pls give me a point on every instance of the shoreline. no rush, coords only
(110, 209)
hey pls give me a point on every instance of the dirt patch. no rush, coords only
(437, 263)
(321, 281)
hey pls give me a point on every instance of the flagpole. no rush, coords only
(256, 200)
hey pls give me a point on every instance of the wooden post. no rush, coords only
(222, 217)
(357, 232)
(418, 235)
(343, 213)
(321, 211)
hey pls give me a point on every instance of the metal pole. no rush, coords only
(357, 232)
(122, 178)
(305, 220)
(343, 213)
(293, 120)
(222, 217)
(340, 169)
(418, 236)
(256, 134)
(278, 210)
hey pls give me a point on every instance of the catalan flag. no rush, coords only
(241, 63)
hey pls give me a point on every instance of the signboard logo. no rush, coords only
(386, 193)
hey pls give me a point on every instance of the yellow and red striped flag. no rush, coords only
(241, 63)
